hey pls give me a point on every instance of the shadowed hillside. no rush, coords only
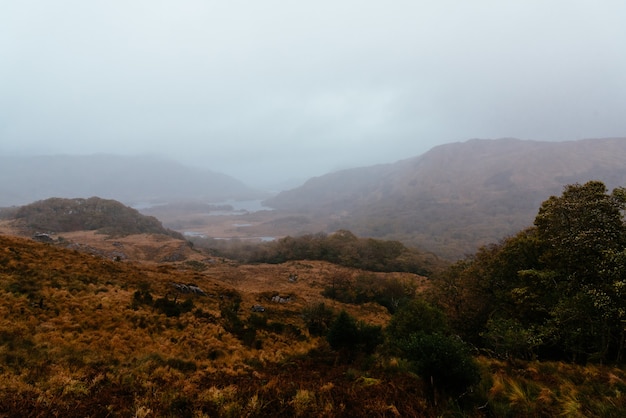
(94, 214)
(458, 196)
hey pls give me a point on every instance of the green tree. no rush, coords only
(583, 231)
(578, 228)
(555, 288)
(444, 363)
(489, 284)
(417, 316)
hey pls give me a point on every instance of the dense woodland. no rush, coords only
(530, 326)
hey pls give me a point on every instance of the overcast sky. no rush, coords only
(268, 90)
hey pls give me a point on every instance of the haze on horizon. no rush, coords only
(268, 91)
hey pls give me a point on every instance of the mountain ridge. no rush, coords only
(456, 196)
(129, 179)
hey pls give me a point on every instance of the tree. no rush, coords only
(579, 227)
(555, 289)
(444, 363)
(349, 337)
(419, 332)
(489, 284)
(417, 316)
(584, 230)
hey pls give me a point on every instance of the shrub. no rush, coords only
(343, 332)
(171, 308)
(443, 362)
(350, 337)
(418, 316)
(318, 318)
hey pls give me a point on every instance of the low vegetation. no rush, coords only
(342, 248)
(532, 326)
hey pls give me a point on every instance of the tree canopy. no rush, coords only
(556, 289)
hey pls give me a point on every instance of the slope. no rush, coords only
(128, 179)
(458, 196)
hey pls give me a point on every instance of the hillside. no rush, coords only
(85, 336)
(58, 215)
(81, 335)
(458, 196)
(132, 180)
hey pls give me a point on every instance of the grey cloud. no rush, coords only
(244, 87)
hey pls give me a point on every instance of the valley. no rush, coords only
(192, 309)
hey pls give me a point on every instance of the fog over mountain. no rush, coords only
(131, 180)
(457, 196)
(277, 91)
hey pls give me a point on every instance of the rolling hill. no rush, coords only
(457, 196)
(82, 335)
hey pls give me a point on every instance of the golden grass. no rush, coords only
(70, 336)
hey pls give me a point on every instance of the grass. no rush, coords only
(555, 389)
(73, 343)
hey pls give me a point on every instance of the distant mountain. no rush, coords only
(128, 179)
(458, 196)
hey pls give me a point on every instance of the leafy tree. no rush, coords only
(555, 288)
(417, 316)
(420, 333)
(584, 231)
(578, 228)
(508, 338)
(443, 362)
(487, 283)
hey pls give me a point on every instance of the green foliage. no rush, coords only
(390, 293)
(555, 289)
(420, 333)
(508, 338)
(343, 332)
(444, 362)
(579, 227)
(341, 247)
(417, 316)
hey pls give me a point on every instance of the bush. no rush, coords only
(343, 332)
(417, 316)
(443, 362)
(351, 337)
(171, 308)
(318, 318)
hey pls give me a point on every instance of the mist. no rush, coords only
(272, 92)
